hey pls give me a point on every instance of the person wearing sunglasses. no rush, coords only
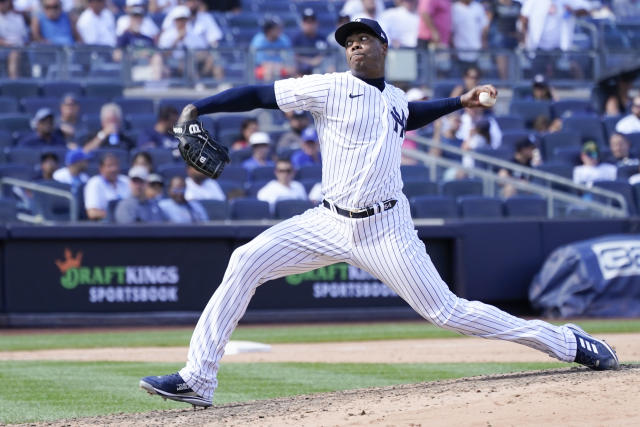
(283, 187)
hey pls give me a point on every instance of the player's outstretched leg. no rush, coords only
(297, 245)
(398, 258)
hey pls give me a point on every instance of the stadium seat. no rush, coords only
(511, 136)
(135, 106)
(8, 210)
(415, 188)
(414, 173)
(567, 155)
(15, 122)
(562, 170)
(52, 207)
(216, 209)
(625, 171)
(168, 171)
(252, 188)
(525, 206)
(587, 126)
(510, 122)
(530, 110)
(634, 142)
(552, 141)
(20, 88)
(59, 151)
(91, 104)
(159, 156)
(522, 91)
(8, 104)
(287, 208)
(224, 122)
(140, 121)
(245, 19)
(235, 173)
(443, 89)
(121, 154)
(480, 207)
(462, 187)
(177, 103)
(91, 122)
(309, 172)
(609, 123)
(6, 140)
(568, 107)
(248, 208)
(30, 105)
(60, 88)
(502, 153)
(636, 195)
(111, 210)
(239, 156)
(621, 187)
(262, 173)
(18, 171)
(109, 89)
(232, 189)
(434, 207)
(23, 155)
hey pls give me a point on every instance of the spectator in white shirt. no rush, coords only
(358, 8)
(199, 187)
(13, 33)
(73, 173)
(200, 22)
(591, 169)
(147, 27)
(108, 185)
(97, 25)
(180, 35)
(283, 187)
(630, 123)
(470, 27)
(401, 24)
(180, 210)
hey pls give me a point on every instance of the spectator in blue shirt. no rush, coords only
(267, 45)
(309, 152)
(314, 44)
(44, 133)
(52, 25)
(260, 147)
(180, 210)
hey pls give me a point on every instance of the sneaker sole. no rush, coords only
(193, 400)
(615, 355)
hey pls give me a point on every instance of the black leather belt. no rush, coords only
(364, 212)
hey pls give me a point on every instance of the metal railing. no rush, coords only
(606, 208)
(40, 188)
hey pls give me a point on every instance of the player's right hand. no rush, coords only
(470, 99)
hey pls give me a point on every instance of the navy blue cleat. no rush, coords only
(593, 353)
(173, 387)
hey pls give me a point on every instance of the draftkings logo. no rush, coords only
(109, 284)
(342, 281)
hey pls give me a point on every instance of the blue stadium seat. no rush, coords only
(502, 153)
(510, 122)
(552, 141)
(442, 89)
(91, 122)
(235, 173)
(252, 188)
(530, 110)
(309, 172)
(18, 171)
(168, 171)
(6, 139)
(15, 122)
(567, 155)
(480, 207)
(59, 151)
(224, 122)
(621, 187)
(308, 184)
(462, 187)
(232, 189)
(587, 126)
(51, 207)
(239, 156)
(511, 136)
(609, 123)
(23, 155)
(525, 206)
(159, 156)
(287, 208)
(568, 107)
(634, 142)
(277, 7)
(177, 103)
(248, 208)
(20, 88)
(262, 173)
(91, 104)
(636, 195)
(60, 88)
(140, 121)
(135, 105)
(414, 173)
(434, 207)
(625, 171)
(111, 211)
(8, 210)
(30, 105)
(245, 19)
(522, 91)
(121, 154)
(562, 170)
(217, 210)
(415, 188)
(109, 89)
(8, 104)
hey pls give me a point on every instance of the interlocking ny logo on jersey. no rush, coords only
(399, 121)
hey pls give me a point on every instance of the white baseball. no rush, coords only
(486, 99)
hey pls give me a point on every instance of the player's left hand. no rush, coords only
(470, 98)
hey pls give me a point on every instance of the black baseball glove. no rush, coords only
(199, 149)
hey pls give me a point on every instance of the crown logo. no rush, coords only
(69, 261)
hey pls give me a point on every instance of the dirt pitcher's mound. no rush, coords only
(559, 397)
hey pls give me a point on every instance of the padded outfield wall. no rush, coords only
(91, 274)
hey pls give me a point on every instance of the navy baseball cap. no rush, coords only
(362, 25)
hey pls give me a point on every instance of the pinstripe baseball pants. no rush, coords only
(385, 245)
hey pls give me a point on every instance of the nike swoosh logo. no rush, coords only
(355, 96)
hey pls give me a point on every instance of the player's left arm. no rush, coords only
(421, 113)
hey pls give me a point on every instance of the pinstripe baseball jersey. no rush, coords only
(360, 130)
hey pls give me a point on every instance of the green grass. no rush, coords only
(270, 335)
(47, 391)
